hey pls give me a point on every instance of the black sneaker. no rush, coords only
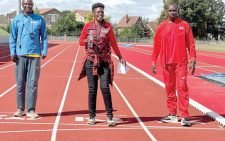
(169, 119)
(185, 122)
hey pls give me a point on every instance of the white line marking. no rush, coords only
(13, 63)
(56, 124)
(79, 119)
(135, 114)
(114, 128)
(220, 119)
(13, 118)
(1, 95)
(6, 66)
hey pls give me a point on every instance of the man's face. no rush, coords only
(27, 5)
(98, 14)
(173, 12)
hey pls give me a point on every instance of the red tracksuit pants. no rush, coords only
(175, 78)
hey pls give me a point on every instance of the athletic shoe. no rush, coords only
(111, 122)
(169, 119)
(32, 114)
(91, 121)
(185, 122)
(19, 113)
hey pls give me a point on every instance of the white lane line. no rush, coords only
(196, 66)
(6, 66)
(135, 114)
(107, 128)
(13, 63)
(12, 87)
(56, 124)
(220, 119)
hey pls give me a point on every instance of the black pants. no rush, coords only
(104, 75)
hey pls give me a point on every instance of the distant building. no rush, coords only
(150, 27)
(11, 15)
(129, 21)
(51, 15)
(80, 14)
(3, 21)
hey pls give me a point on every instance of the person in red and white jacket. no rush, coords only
(173, 41)
(98, 38)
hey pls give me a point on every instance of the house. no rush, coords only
(81, 14)
(51, 15)
(3, 21)
(11, 15)
(151, 27)
(129, 21)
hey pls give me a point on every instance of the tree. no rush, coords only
(205, 17)
(67, 25)
(89, 17)
(136, 31)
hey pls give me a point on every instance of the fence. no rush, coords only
(4, 39)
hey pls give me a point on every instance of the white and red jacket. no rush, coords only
(172, 40)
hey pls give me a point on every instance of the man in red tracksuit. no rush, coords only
(172, 40)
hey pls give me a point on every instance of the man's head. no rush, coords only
(98, 11)
(172, 11)
(27, 6)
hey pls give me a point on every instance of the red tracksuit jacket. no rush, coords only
(172, 40)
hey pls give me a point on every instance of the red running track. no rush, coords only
(62, 104)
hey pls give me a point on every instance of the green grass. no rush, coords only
(3, 32)
(211, 47)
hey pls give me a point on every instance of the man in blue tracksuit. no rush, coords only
(28, 43)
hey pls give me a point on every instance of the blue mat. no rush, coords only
(218, 78)
(125, 45)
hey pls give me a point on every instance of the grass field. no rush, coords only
(3, 32)
(211, 47)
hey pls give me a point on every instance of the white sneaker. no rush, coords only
(169, 119)
(185, 122)
(18, 113)
(32, 114)
(91, 121)
(111, 122)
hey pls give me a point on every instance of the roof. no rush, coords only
(83, 13)
(12, 14)
(128, 21)
(152, 25)
(45, 10)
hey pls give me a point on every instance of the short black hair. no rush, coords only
(96, 5)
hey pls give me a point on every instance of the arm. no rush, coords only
(156, 49)
(13, 38)
(191, 50)
(44, 39)
(113, 42)
(83, 35)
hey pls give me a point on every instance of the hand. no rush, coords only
(154, 68)
(14, 58)
(43, 57)
(192, 67)
(123, 61)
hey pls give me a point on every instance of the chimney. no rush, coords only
(126, 18)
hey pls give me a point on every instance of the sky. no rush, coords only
(116, 9)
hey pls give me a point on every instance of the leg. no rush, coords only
(170, 82)
(104, 73)
(32, 82)
(92, 88)
(21, 76)
(183, 95)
